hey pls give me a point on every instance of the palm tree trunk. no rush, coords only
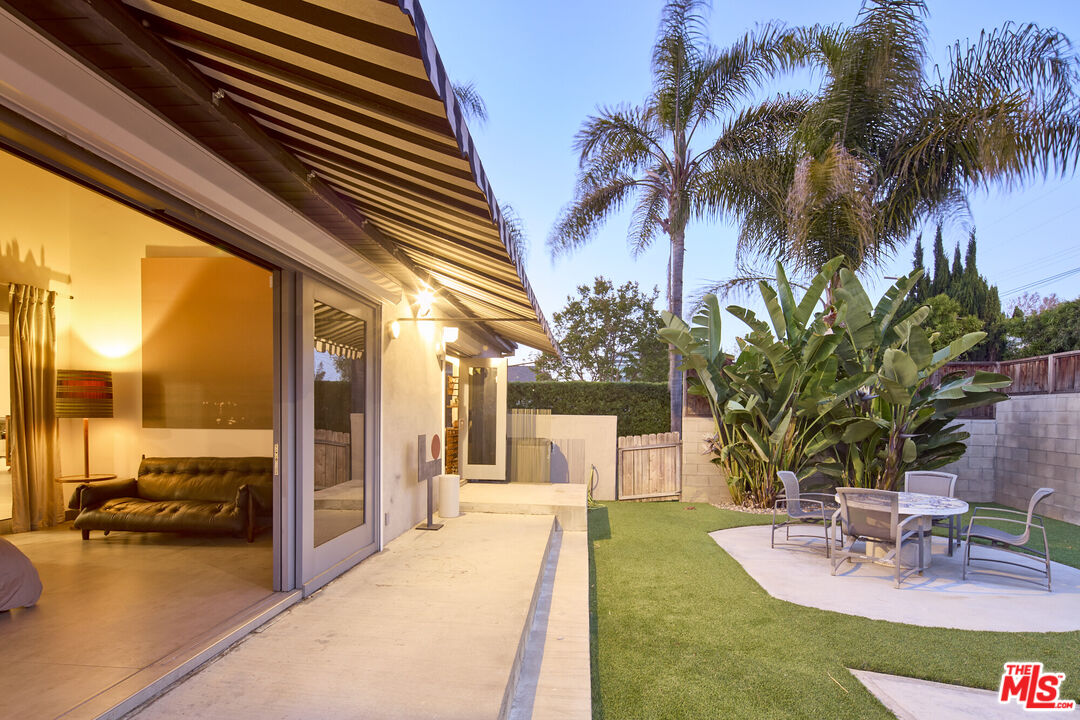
(675, 294)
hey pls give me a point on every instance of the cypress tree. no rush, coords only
(969, 256)
(920, 293)
(940, 282)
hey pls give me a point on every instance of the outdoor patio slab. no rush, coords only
(911, 699)
(566, 501)
(428, 628)
(799, 572)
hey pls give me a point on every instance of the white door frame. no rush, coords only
(496, 470)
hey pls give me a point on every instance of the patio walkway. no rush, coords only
(435, 626)
(799, 572)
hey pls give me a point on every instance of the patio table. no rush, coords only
(929, 506)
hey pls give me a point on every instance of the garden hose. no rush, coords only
(594, 480)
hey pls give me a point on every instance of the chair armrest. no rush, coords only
(909, 518)
(1005, 520)
(826, 498)
(90, 494)
(987, 508)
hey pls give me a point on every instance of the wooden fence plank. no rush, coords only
(649, 467)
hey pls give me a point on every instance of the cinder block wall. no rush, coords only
(1034, 442)
(976, 471)
(1038, 445)
(702, 481)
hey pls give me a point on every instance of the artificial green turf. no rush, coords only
(681, 631)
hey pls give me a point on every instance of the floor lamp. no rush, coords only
(84, 394)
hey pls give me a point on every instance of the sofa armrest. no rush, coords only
(90, 494)
(245, 500)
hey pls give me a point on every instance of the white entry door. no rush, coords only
(482, 434)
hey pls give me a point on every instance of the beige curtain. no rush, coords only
(36, 498)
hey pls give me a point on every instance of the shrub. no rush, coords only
(847, 390)
(642, 407)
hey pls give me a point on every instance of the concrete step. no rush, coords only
(566, 501)
(553, 679)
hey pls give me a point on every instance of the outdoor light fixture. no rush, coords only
(424, 299)
(395, 330)
(449, 334)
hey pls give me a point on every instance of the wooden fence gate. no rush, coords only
(649, 467)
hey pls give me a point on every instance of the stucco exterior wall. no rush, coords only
(702, 480)
(412, 404)
(592, 439)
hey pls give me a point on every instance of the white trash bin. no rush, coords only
(449, 494)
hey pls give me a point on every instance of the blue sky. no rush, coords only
(543, 67)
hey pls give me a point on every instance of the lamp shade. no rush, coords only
(84, 394)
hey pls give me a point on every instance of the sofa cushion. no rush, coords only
(163, 515)
(207, 479)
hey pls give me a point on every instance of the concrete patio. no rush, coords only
(799, 572)
(487, 618)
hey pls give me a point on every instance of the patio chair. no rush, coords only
(802, 509)
(936, 483)
(1008, 543)
(873, 516)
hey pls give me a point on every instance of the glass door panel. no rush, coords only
(339, 485)
(340, 406)
(483, 428)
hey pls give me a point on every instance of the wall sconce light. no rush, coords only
(395, 330)
(424, 300)
(449, 334)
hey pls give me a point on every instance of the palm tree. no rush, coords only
(887, 145)
(647, 152)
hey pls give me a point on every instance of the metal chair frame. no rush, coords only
(1019, 547)
(897, 536)
(952, 522)
(826, 504)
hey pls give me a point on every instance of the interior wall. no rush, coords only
(58, 235)
(412, 404)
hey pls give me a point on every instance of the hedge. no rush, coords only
(642, 407)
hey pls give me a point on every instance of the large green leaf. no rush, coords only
(910, 452)
(748, 317)
(757, 442)
(708, 329)
(954, 350)
(776, 313)
(787, 304)
(991, 380)
(859, 430)
(781, 430)
(898, 366)
(918, 347)
(810, 300)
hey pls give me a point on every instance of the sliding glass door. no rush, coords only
(338, 496)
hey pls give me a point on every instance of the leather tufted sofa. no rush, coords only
(202, 495)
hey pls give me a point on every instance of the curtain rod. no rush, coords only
(69, 297)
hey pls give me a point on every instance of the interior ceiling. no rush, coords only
(341, 108)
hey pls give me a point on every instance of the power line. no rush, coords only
(1043, 281)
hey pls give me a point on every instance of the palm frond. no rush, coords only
(592, 204)
(650, 216)
(515, 232)
(472, 104)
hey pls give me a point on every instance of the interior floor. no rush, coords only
(114, 605)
